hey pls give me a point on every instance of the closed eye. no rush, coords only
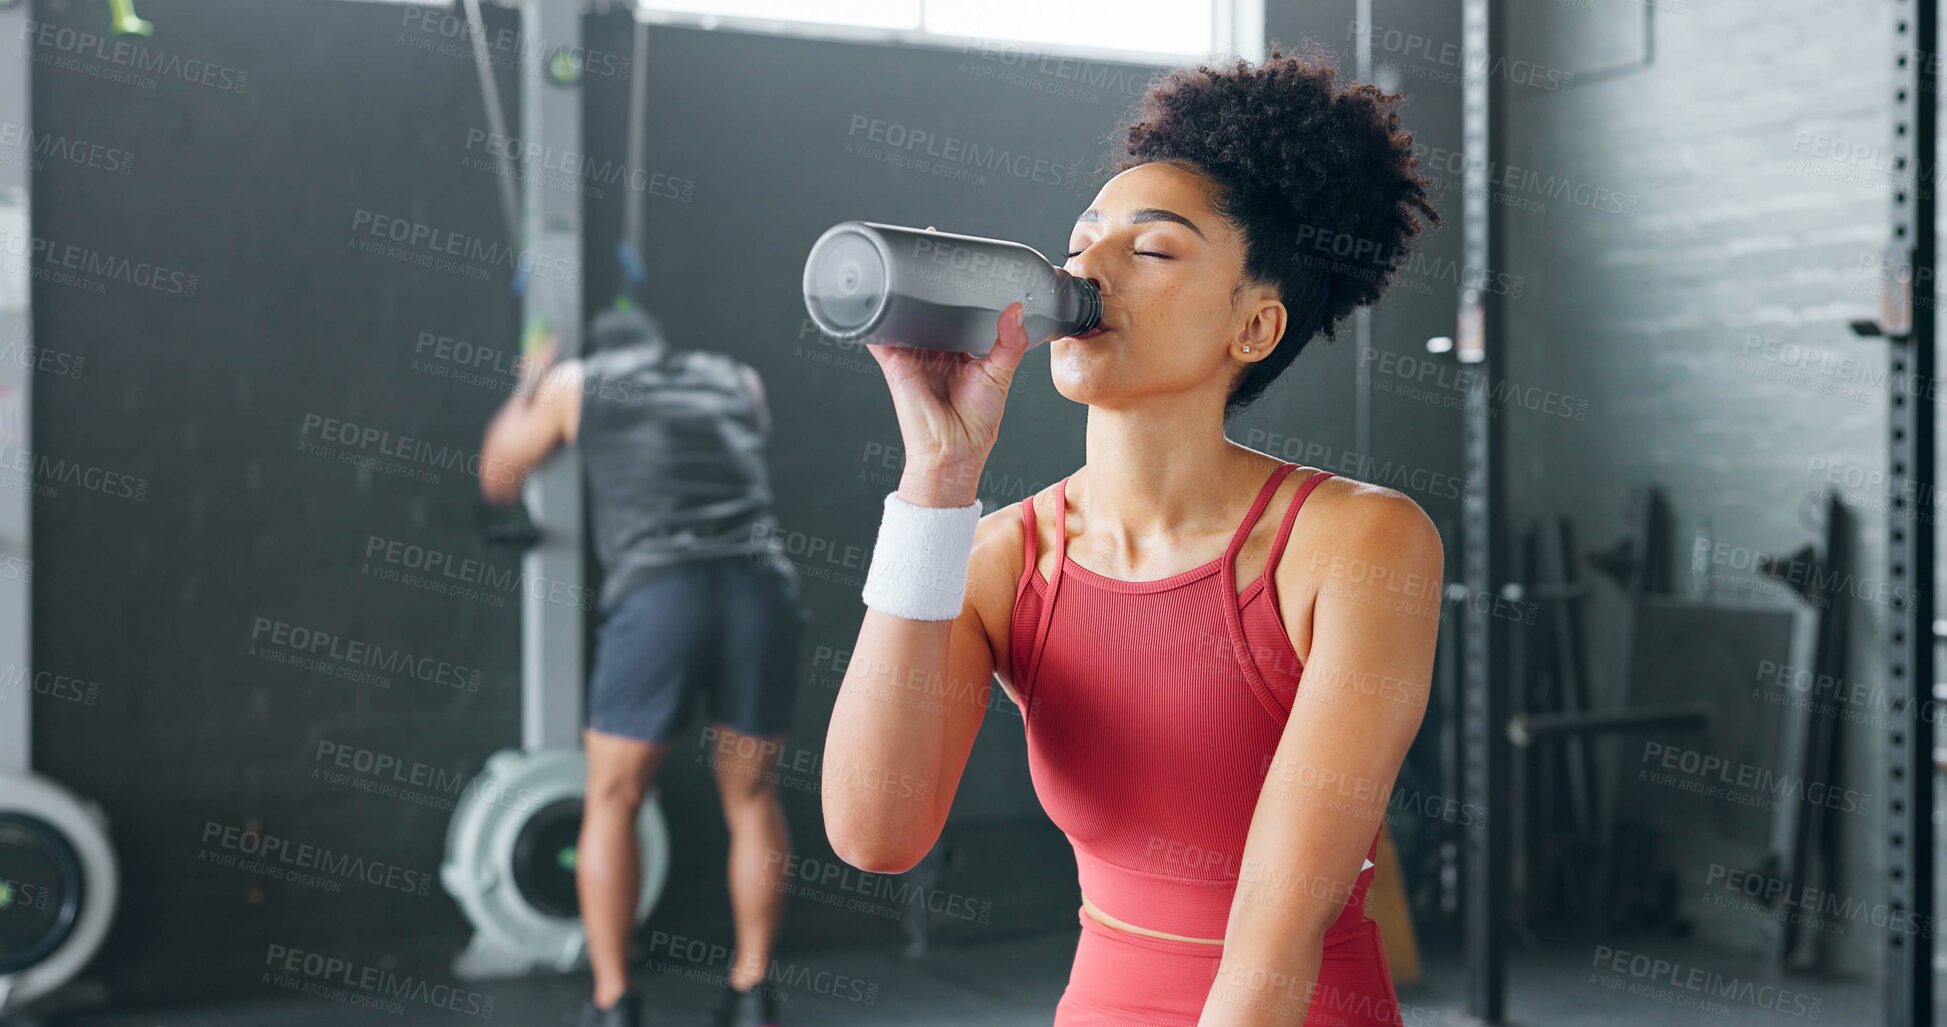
(1072, 254)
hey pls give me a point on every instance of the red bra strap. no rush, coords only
(1257, 509)
(1291, 515)
(1061, 520)
(1233, 614)
(1054, 588)
(1030, 544)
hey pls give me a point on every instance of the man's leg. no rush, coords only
(654, 647)
(608, 866)
(760, 843)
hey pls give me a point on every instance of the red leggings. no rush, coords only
(1121, 979)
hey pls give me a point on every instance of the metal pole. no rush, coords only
(1484, 711)
(1910, 521)
(1362, 320)
(16, 410)
(551, 621)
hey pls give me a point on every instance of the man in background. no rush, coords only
(697, 595)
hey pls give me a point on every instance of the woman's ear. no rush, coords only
(1260, 332)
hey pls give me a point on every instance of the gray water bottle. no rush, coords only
(936, 290)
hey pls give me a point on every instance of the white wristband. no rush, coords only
(919, 563)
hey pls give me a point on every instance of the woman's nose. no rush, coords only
(1081, 265)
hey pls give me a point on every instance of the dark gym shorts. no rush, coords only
(726, 625)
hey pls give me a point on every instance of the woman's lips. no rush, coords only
(1091, 333)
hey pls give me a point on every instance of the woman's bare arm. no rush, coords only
(908, 709)
(1360, 703)
(915, 690)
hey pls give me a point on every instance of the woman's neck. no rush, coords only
(1151, 476)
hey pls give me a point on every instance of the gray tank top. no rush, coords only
(673, 443)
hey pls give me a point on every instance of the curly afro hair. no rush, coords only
(1320, 180)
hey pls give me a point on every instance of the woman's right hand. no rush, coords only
(949, 406)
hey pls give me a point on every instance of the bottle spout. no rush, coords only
(1078, 304)
(1091, 313)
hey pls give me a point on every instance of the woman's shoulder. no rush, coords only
(1000, 543)
(1372, 508)
(1340, 497)
(1355, 515)
(1365, 529)
(1000, 551)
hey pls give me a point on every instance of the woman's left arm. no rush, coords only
(1359, 704)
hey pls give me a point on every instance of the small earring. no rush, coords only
(1247, 349)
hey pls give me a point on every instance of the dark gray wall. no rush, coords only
(1695, 307)
(257, 134)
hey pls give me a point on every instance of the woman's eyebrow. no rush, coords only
(1146, 214)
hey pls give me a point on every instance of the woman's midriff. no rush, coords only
(1183, 907)
(1103, 918)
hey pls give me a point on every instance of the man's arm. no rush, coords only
(1363, 695)
(757, 391)
(532, 423)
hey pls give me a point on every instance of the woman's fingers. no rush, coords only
(1011, 344)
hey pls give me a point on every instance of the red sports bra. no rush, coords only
(1152, 710)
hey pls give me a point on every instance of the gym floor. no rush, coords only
(1016, 983)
